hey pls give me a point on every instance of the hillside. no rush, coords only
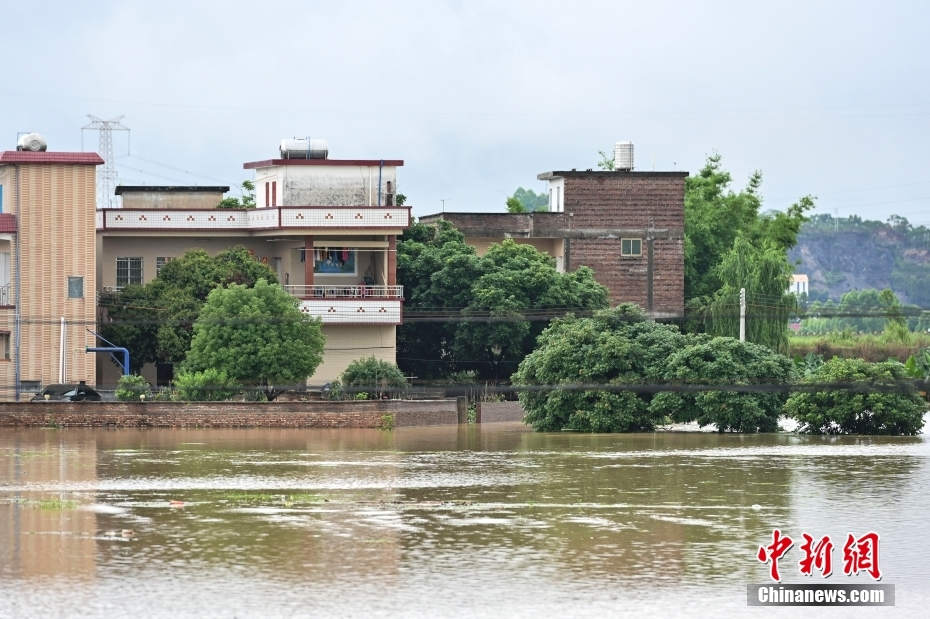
(844, 254)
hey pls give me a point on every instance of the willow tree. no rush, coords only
(765, 273)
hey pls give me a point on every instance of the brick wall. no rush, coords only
(639, 206)
(501, 411)
(316, 414)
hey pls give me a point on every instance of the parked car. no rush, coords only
(67, 393)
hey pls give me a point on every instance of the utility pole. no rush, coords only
(742, 314)
(107, 176)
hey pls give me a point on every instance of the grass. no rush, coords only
(868, 346)
(266, 498)
(55, 505)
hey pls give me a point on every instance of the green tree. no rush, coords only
(132, 388)
(155, 321)
(483, 313)
(765, 274)
(605, 161)
(873, 399)
(614, 347)
(247, 199)
(715, 216)
(373, 376)
(529, 200)
(725, 361)
(258, 336)
(515, 206)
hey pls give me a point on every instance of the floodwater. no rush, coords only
(441, 521)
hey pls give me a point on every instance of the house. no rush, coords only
(628, 226)
(327, 227)
(48, 286)
(799, 284)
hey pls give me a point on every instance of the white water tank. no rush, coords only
(31, 142)
(304, 148)
(623, 156)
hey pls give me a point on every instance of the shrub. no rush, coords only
(130, 387)
(726, 361)
(375, 376)
(875, 400)
(210, 385)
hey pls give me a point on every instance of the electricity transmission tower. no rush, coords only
(107, 176)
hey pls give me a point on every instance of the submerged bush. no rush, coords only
(726, 361)
(131, 387)
(210, 385)
(614, 347)
(874, 399)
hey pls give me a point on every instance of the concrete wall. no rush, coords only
(172, 199)
(317, 414)
(335, 185)
(492, 412)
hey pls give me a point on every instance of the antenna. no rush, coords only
(107, 176)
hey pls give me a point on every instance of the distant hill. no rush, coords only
(850, 253)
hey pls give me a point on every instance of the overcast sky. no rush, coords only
(831, 99)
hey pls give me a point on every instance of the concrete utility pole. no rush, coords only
(106, 177)
(742, 314)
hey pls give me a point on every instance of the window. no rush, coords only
(267, 194)
(30, 386)
(631, 247)
(274, 193)
(1, 198)
(161, 261)
(75, 287)
(128, 271)
(5, 345)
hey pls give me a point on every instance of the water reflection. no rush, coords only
(403, 515)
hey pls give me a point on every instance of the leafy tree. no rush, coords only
(247, 200)
(155, 321)
(872, 402)
(605, 161)
(131, 388)
(209, 385)
(726, 361)
(258, 336)
(515, 206)
(765, 274)
(529, 200)
(715, 216)
(375, 376)
(488, 309)
(614, 347)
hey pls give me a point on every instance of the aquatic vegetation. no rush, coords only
(266, 498)
(52, 505)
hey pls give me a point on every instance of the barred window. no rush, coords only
(128, 271)
(161, 261)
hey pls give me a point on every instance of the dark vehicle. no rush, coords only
(67, 393)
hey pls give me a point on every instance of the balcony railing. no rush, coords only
(5, 298)
(355, 291)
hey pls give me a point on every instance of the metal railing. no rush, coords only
(352, 291)
(5, 297)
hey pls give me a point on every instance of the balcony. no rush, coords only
(255, 220)
(6, 299)
(347, 292)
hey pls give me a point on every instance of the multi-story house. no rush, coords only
(327, 227)
(628, 226)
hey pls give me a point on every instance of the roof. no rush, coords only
(267, 163)
(799, 277)
(28, 156)
(607, 173)
(121, 189)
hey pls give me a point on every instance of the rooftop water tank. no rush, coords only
(31, 142)
(623, 156)
(304, 148)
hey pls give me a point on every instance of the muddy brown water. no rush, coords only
(492, 520)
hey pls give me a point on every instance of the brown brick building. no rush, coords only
(627, 226)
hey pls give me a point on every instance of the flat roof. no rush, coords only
(28, 156)
(121, 189)
(267, 163)
(576, 173)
